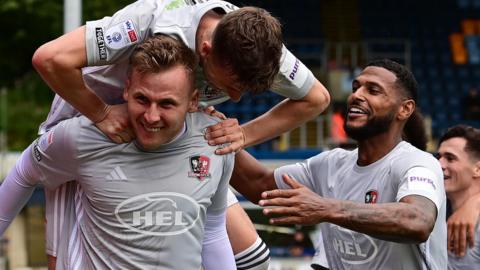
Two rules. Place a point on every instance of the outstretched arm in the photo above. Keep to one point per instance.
(461, 226)
(409, 221)
(285, 116)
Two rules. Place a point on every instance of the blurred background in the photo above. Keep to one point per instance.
(439, 41)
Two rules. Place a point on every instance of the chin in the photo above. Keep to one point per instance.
(149, 145)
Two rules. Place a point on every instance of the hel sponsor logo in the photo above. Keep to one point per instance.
(200, 166)
(160, 218)
(371, 196)
(295, 69)
(352, 247)
(422, 180)
(102, 51)
(159, 213)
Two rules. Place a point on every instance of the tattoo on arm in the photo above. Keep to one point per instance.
(409, 221)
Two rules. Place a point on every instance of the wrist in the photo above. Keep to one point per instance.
(336, 211)
(244, 137)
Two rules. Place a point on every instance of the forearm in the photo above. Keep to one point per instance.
(287, 115)
(397, 222)
(59, 63)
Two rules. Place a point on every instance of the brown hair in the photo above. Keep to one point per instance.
(470, 134)
(161, 52)
(248, 42)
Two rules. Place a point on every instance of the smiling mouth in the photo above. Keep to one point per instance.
(151, 129)
(356, 111)
(157, 129)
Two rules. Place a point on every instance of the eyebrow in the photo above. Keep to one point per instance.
(447, 154)
(167, 100)
(369, 83)
(160, 101)
(374, 84)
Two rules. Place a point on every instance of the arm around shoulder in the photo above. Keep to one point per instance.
(64, 53)
(287, 115)
(317, 99)
(59, 63)
(462, 224)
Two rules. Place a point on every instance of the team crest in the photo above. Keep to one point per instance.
(200, 166)
(371, 196)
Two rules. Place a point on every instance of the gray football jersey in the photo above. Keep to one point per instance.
(136, 209)
(111, 40)
(59, 215)
(471, 260)
(404, 171)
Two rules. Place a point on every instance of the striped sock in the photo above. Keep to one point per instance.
(256, 257)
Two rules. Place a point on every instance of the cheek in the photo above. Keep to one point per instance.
(134, 111)
(174, 116)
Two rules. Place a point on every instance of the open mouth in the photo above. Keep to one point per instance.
(156, 129)
(356, 111)
(151, 129)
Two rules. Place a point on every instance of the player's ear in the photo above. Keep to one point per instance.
(193, 103)
(476, 170)
(205, 49)
(125, 90)
(406, 109)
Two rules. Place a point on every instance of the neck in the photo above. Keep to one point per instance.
(180, 133)
(457, 199)
(375, 148)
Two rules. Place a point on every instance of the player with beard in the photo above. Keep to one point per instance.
(380, 206)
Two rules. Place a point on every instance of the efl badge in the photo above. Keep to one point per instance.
(121, 35)
(371, 196)
(200, 166)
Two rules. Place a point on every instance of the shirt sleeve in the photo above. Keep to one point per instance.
(112, 39)
(54, 154)
(294, 79)
(219, 199)
(299, 171)
(424, 182)
(17, 188)
(48, 159)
